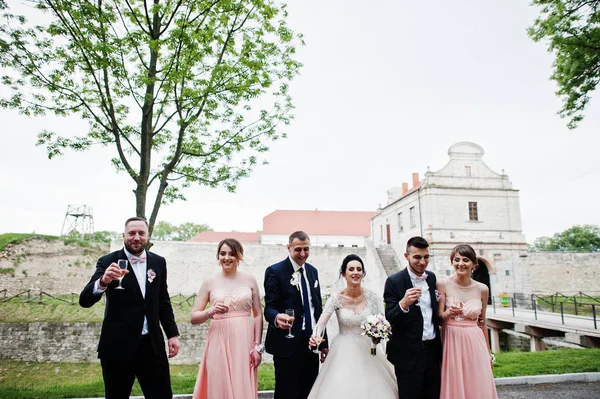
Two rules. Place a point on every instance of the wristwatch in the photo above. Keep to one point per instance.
(101, 284)
(260, 348)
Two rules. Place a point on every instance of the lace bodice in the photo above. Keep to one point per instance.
(350, 320)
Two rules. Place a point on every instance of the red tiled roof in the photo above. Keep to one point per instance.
(217, 236)
(319, 222)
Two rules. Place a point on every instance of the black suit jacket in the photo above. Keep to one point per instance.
(404, 345)
(125, 309)
(281, 295)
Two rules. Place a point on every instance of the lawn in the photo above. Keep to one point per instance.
(28, 380)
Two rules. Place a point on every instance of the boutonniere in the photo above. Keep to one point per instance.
(296, 280)
(437, 295)
(151, 274)
(316, 283)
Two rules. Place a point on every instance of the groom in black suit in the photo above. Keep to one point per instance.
(131, 342)
(293, 284)
(411, 307)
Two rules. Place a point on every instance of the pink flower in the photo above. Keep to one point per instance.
(151, 275)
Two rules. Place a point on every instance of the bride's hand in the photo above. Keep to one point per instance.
(312, 341)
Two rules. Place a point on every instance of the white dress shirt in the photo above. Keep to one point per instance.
(424, 305)
(310, 304)
(139, 270)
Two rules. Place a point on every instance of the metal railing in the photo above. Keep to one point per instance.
(33, 295)
(579, 304)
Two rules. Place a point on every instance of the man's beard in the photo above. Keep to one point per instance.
(132, 251)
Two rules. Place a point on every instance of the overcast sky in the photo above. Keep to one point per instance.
(387, 87)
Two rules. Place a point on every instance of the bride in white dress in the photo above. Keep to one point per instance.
(350, 371)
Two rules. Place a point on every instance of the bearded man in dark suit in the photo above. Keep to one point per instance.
(411, 307)
(131, 342)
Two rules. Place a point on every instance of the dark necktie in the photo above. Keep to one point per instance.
(306, 305)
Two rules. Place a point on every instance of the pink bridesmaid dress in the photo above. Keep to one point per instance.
(466, 370)
(225, 371)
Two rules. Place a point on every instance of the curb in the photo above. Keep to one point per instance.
(548, 379)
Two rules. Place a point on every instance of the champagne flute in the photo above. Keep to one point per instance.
(290, 312)
(227, 300)
(420, 288)
(319, 332)
(459, 305)
(123, 266)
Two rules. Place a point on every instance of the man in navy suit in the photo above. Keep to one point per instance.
(293, 284)
(411, 307)
(131, 342)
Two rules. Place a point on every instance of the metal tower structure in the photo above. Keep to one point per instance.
(79, 219)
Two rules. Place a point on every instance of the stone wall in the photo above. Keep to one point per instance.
(189, 264)
(565, 272)
(78, 342)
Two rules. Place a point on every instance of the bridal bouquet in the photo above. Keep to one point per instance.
(377, 328)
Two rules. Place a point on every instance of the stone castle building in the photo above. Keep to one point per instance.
(464, 202)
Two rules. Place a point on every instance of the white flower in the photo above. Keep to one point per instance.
(296, 280)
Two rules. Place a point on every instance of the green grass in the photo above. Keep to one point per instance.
(513, 364)
(15, 238)
(7, 270)
(29, 380)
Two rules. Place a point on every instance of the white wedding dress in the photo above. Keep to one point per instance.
(350, 371)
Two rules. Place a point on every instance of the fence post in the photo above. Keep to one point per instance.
(562, 315)
(512, 303)
(575, 303)
(594, 314)
(552, 303)
(494, 303)
(534, 305)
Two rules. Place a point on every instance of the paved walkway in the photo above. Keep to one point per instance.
(566, 390)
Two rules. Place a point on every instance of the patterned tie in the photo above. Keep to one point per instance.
(306, 305)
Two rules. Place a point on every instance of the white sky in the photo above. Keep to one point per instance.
(387, 87)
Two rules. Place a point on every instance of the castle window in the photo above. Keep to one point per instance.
(400, 226)
(468, 171)
(473, 211)
(413, 217)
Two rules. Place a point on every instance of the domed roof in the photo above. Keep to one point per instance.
(465, 149)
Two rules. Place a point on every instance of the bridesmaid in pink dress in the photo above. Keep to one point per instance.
(466, 362)
(233, 349)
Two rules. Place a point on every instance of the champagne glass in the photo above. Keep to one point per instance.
(318, 333)
(459, 305)
(290, 312)
(419, 286)
(123, 266)
(227, 300)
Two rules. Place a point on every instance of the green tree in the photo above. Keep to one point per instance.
(184, 91)
(585, 238)
(572, 30)
(185, 231)
(165, 231)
